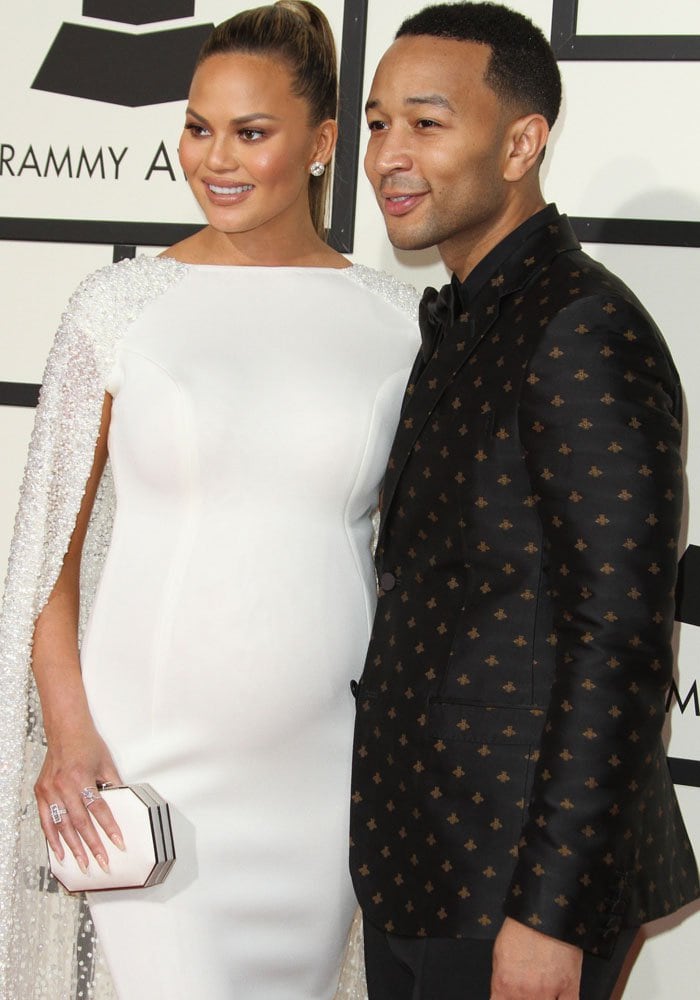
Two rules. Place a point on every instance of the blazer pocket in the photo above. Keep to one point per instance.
(499, 725)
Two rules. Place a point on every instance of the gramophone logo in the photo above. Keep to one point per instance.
(121, 67)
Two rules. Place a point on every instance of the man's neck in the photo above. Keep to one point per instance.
(462, 253)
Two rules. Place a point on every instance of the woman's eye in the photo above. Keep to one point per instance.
(251, 134)
(197, 130)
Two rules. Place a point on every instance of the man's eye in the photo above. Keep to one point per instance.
(376, 126)
(427, 123)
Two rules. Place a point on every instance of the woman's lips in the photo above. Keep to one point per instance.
(226, 194)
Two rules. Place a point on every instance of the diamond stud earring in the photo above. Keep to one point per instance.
(317, 169)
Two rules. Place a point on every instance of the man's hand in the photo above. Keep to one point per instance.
(529, 965)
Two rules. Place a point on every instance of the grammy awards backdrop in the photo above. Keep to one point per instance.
(93, 98)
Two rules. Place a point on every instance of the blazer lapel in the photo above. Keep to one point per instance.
(428, 381)
(426, 387)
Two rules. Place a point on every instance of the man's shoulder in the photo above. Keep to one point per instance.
(576, 270)
(575, 280)
(547, 270)
(592, 309)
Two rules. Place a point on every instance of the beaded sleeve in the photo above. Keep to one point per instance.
(400, 295)
(45, 935)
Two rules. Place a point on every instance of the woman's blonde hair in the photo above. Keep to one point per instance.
(299, 33)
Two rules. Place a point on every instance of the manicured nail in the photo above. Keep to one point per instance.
(117, 841)
(102, 862)
(82, 865)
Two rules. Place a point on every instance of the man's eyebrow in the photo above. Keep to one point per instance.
(435, 100)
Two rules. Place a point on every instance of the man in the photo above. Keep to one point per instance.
(513, 819)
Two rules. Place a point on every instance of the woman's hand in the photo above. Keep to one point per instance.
(70, 806)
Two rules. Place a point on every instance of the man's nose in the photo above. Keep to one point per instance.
(390, 154)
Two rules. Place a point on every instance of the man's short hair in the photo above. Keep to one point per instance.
(522, 70)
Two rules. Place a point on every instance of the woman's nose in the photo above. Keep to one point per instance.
(221, 155)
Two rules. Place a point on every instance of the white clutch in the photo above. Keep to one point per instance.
(144, 819)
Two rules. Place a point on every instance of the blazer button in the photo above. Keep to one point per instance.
(387, 581)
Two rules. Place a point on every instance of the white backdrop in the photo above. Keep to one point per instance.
(623, 150)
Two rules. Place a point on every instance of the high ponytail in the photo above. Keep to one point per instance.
(298, 32)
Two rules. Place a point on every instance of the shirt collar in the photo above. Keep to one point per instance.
(466, 290)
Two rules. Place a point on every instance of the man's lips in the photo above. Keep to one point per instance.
(400, 203)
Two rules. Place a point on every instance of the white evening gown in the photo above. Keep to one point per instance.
(253, 413)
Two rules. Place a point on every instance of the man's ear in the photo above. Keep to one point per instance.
(527, 138)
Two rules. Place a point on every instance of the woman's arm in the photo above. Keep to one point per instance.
(76, 758)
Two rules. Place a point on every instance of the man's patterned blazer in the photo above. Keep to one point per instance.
(508, 755)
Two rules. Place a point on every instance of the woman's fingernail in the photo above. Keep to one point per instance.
(117, 841)
(102, 862)
(82, 865)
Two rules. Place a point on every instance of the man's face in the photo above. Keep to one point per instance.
(438, 144)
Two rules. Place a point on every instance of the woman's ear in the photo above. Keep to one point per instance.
(526, 143)
(326, 139)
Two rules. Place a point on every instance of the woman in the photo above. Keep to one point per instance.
(245, 387)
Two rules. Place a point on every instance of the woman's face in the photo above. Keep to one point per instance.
(247, 145)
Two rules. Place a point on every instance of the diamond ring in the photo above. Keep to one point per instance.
(90, 795)
(57, 812)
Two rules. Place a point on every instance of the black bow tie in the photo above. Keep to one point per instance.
(435, 314)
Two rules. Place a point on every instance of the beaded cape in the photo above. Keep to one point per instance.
(48, 947)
